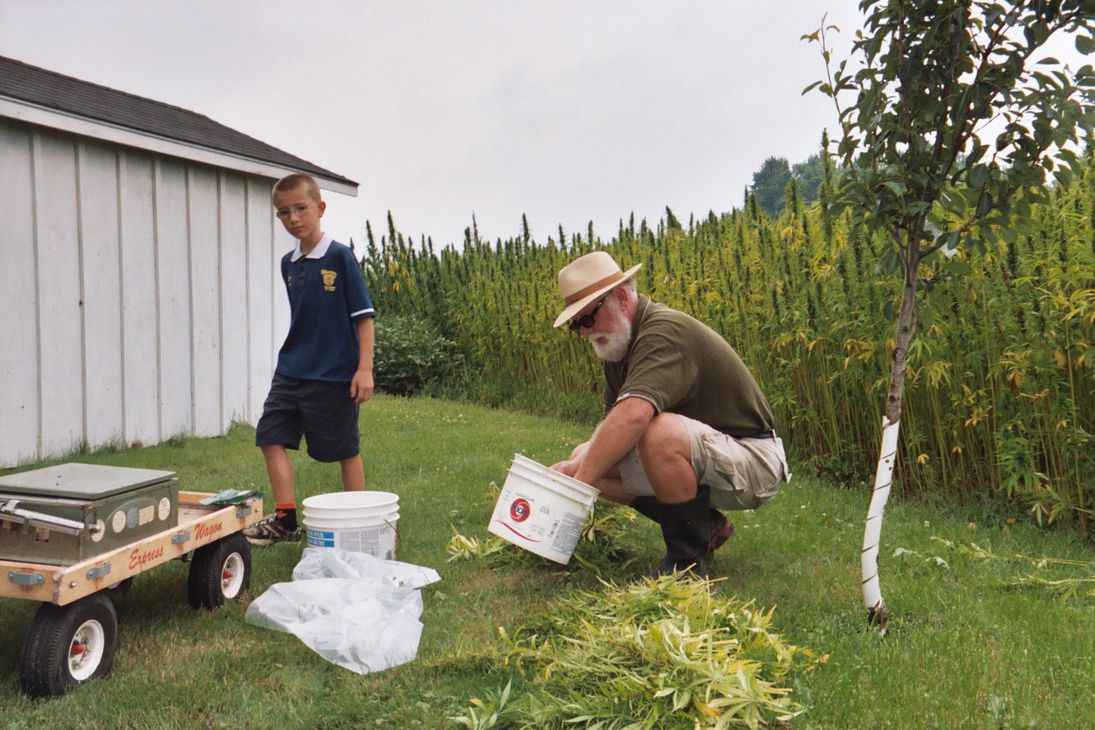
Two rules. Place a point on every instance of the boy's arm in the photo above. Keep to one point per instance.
(361, 387)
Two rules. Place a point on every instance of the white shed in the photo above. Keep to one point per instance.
(138, 268)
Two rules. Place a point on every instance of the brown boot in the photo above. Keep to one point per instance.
(721, 530)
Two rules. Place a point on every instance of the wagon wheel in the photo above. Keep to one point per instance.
(219, 571)
(67, 645)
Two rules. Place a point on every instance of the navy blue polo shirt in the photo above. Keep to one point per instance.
(326, 298)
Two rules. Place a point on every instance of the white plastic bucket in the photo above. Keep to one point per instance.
(361, 522)
(542, 510)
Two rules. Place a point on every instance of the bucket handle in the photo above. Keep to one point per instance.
(395, 534)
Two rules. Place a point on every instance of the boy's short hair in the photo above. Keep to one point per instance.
(294, 181)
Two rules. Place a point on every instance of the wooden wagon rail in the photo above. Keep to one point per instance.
(62, 584)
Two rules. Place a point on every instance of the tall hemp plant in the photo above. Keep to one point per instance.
(954, 127)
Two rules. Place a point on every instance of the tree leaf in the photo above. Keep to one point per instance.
(1064, 176)
(978, 176)
(896, 186)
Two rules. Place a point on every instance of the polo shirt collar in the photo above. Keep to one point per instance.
(317, 253)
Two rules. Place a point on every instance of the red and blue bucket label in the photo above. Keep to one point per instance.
(519, 510)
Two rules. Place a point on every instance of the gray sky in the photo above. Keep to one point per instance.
(567, 111)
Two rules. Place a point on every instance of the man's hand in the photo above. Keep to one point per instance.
(568, 467)
(361, 387)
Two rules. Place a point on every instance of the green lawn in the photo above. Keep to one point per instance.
(965, 649)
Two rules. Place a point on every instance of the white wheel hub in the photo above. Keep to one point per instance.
(232, 573)
(85, 653)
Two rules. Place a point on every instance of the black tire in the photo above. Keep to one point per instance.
(68, 645)
(219, 572)
(122, 586)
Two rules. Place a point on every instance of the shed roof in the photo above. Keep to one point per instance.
(71, 96)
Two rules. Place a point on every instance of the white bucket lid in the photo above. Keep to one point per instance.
(350, 500)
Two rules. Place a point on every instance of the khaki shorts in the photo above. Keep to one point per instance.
(741, 473)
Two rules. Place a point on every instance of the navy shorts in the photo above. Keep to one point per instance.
(323, 413)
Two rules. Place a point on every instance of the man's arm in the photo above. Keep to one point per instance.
(361, 387)
(616, 435)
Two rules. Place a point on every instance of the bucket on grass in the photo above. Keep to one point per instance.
(362, 522)
(542, 510)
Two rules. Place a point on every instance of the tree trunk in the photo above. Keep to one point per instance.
(877, 615)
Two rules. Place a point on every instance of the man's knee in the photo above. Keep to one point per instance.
(665, 436)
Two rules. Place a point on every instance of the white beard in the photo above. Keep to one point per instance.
(612, 346)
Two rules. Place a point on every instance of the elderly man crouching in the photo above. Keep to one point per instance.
(686, 428)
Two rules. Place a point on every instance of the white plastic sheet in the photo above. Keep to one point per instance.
(354, 610)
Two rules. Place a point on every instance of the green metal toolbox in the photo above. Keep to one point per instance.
(68, 513)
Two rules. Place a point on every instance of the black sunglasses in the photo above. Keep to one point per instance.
(587, 320)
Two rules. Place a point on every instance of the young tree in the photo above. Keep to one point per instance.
(937, 78)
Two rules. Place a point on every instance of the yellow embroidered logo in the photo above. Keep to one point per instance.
(328, 279)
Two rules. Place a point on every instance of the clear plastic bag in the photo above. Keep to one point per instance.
(354, 610)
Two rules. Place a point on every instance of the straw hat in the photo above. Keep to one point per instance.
(586, 278)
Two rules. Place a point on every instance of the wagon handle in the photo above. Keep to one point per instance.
(11, 510)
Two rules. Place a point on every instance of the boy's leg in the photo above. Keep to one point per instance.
(279, 468)
(353, 474)
(330, 421)
(279, 429)
(282, 524)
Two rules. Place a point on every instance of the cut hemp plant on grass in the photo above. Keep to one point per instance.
(657, 653)
(1066, 586)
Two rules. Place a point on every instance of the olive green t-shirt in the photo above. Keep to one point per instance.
(681, 365)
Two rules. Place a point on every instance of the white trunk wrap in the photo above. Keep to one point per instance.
(872, 533)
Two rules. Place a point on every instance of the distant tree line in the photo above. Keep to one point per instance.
(771, 181)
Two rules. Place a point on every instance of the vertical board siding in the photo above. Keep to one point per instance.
(60, 336)
(261, 294)
(139, 320)
(100, 282)
(142, 298)
(173, 253)
(205, 299)
(19, 411)
(233, 267)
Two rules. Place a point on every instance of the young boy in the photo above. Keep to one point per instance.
(325, 367)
